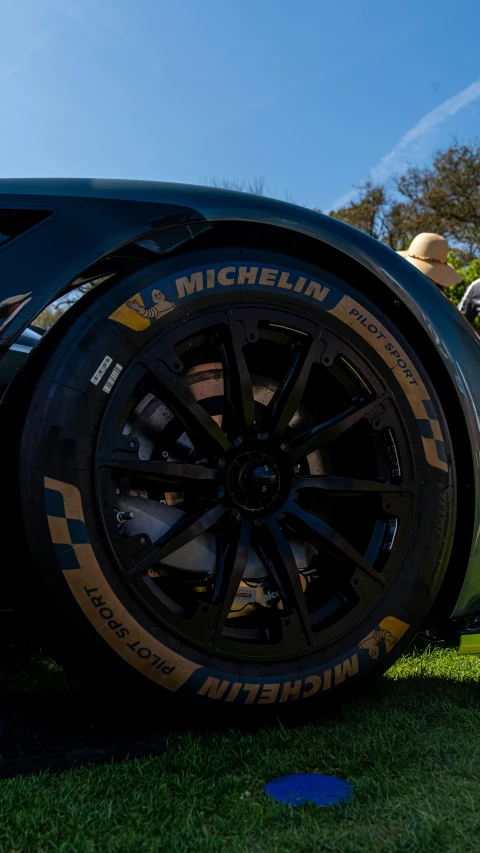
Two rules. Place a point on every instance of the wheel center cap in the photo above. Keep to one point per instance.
(253, 480)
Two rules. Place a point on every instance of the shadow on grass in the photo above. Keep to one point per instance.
(49, 721)
(36, 688)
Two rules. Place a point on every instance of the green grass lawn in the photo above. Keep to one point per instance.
(410, 746)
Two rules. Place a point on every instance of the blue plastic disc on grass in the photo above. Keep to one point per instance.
(309, 788)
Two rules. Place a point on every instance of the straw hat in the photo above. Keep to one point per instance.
(428, 252)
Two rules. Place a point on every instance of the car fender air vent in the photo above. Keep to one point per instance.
(14, 222)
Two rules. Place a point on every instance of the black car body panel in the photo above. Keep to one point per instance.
(84, 226)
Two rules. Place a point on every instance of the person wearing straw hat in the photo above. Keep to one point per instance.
(470, 301)
(428, 252)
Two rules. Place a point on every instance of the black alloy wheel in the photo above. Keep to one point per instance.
(293, 462)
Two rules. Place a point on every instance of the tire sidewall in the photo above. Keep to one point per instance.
(59, 443)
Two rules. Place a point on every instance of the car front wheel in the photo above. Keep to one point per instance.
(237, 483)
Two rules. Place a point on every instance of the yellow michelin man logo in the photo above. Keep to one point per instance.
(372, 640)
(160, 306)
(389, 632)
(142, 309)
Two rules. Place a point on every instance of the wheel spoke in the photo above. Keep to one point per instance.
(289, 577)
(328, 431)
(180, 534)
(319, 529)
(239, 404)
(249, 499)
(288, 395)
(347, 484)
(398, 509)
(230, 573)
(198, 424)
(151, 469)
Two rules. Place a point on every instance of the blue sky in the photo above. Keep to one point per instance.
(310, 95)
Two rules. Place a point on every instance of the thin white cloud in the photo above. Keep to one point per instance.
(398, 157)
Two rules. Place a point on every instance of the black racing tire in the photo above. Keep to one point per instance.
(213, 385)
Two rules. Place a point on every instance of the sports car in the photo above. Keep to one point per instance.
(242, 468)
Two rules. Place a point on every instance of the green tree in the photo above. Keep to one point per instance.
(367, 211)
(445, 196)
(377, 212)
